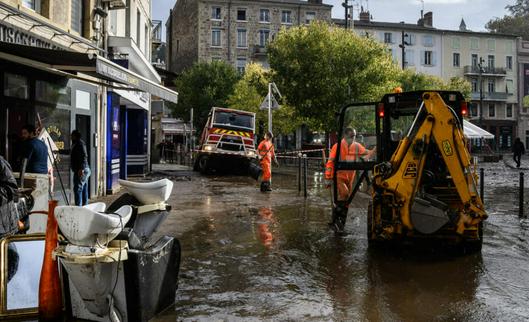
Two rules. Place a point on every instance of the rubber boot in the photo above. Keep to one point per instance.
(339, 216)
(263, 186)
(268, 186)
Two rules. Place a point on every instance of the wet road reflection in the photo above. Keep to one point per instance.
(254, 256)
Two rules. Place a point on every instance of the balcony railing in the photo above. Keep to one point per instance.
(259, 50)
(492, 96)
(486, 70)
(156, 31)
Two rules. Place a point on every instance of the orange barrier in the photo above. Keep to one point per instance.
(50, 297)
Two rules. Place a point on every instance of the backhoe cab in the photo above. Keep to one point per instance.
(423, 182)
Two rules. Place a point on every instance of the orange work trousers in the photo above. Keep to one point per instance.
(344, 183)
(267, 170)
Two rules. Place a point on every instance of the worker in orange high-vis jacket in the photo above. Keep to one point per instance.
(266, 154)
(350, 151)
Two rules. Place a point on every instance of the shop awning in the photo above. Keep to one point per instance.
(71, 64)
(473, 131)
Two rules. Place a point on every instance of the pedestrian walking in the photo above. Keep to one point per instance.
(80, 168)
(266, 154)
(34, 150)
(518, 149)
(9, 221)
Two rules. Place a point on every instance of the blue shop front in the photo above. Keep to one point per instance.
(127, 135)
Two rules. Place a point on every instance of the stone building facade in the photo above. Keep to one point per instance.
(233, 31)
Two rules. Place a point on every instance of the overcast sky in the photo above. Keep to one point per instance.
(447, 14)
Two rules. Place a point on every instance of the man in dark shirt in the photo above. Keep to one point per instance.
(518, 149)
(8, 210)
(80, 168)
(34, 150)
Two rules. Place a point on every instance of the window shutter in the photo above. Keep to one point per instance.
(422, 57)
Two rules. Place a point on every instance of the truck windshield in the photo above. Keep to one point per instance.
(233, 120)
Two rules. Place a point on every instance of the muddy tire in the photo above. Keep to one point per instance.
(203, 164)
(474, 246)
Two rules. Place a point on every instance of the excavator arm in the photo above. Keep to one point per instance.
(399, 182)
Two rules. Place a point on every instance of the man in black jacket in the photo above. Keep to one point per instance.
(80, 168)
(8, 209)
(518, 149)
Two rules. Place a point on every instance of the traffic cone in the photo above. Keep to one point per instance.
(50, 297)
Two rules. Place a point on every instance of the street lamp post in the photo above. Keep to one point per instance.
(346, 6)
(403, 44)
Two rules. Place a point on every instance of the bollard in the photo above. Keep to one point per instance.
(520, 198)
(299, 172)
(482, 184)
(305, 163)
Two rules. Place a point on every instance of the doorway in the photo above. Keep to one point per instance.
(17, 115)
(82, 124)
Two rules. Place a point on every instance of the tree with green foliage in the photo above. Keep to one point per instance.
(517, 23)
(319, 68)
(410, 80)
(201, 87)
(250, 92)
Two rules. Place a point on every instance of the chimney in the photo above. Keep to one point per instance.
(315, 1)
(428, 19)
(365, 16)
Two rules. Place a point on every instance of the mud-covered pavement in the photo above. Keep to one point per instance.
(253, 256)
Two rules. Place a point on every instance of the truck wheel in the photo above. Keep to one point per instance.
(203, 164)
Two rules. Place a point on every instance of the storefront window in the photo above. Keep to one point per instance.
(57, 123)
(16, 86)
(52, 93)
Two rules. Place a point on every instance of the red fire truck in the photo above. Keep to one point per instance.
(227, 141)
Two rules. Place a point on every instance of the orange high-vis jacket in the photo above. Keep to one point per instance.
(266, 151)
(347, 153)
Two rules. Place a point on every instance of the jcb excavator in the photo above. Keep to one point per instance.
(423, 182)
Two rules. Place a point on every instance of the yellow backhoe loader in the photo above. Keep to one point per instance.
(423, 181)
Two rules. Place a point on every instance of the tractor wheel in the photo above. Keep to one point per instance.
(474, 246)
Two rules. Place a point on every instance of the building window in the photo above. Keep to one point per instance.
(16, 86)
(32, 4)
(146, 41)
(455, 60)
(491, 86)
(456, 42)
(492, 110)
(427, 41)
(508, 111)
(264, 15)
(427, 58)
(474, 83)
(114, 22)
(77, 16)
(388, 38)
(491, 44)
(215, 13)
(509, 86)
(241, 14)
(51, 93)
(474, 43)
(241, 65)
(286, 16)
(138, 28)
(264, 35)
(473, 109)
(310, 16)
(474, 60)
(508, 62)
(491, 61)
(241, 38)
(409, 56)
(215, 38)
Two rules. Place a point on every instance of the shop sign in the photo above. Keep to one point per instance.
(14, 35)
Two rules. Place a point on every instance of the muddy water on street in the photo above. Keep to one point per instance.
(253, 256)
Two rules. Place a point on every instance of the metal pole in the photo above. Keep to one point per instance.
(191, 135)
(480, 66)
(520, 198)
(270, 107)
(305, 163)
(403, 48)
(482, 184)
(299, 172)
